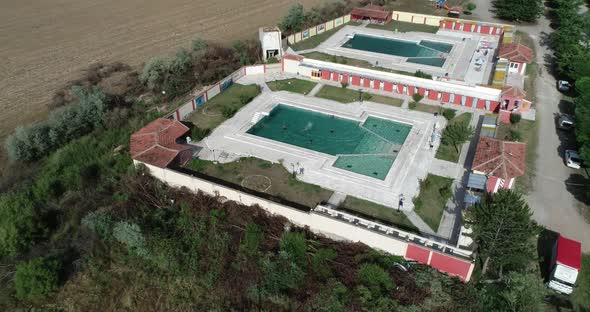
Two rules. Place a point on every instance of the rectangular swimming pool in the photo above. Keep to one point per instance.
(423, 52)
(367, 148)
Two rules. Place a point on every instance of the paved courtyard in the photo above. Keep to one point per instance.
(230, 141)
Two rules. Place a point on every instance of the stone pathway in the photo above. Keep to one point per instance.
(418, 222)
(336, 200)
(315, 89)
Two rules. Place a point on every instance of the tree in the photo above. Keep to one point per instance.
(517, 291)
(519, 10)
(456, 134)
(19, 223)
(294, 20)
(582, 115)
(36, 279)
(504, 231)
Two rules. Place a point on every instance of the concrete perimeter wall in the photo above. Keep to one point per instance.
(318, 29)
(336, 224)
(453, 24)
(201, 98)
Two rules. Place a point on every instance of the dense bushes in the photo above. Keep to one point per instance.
(36, 279)
(204, 63)
(19, 222)
(525, 11)
(63, 125)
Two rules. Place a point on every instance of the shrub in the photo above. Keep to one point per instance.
(272, 60)
(421, 74)
(228, 111)
(515, 118)
(374, 277)
(245, 98)
(63, 125)
(417, 97)
(99, 222)
(344, 84)
(19, 222)
(130, 235)
(446, 192)
(295, 245)
(515, 135)
(471, 6)
(197, 134)
(413, 105)
(449, 113)
(36, 279)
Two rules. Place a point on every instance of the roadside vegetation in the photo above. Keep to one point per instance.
(454, 135)
(292, 85)
(430, 203)
(379, 213)
(520, 11)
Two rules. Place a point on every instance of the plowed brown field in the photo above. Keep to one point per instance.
(44, 44)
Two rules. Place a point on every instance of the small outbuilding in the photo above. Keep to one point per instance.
(160, 143)
(518, 55)
(373, 13)
(501, 161)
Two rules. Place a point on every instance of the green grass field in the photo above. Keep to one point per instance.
(292, 85)
(259, 175)
(405, 27)
(344, 95)
(431, 202)
(448, 152)
(218, 109)
(379, 212)
(421, 107)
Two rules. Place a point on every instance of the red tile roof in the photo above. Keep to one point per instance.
(569, 252)
(450, 265)
(293, 57)
(516, 52)
(418, 254)
(498, 158)
(371, 11)
(513, 91)
(155, 144)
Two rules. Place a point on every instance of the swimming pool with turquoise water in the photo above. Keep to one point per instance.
(424, 52)
(368, 148)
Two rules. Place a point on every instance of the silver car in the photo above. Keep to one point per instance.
(572, 159)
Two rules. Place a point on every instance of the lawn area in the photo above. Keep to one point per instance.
(256, 171)
(580, 298)
(431, 202)
(405, 27)
(223, 106)
(292, 85)
(344, 95)
(421, 107)
(527, 131)
(448, 152)
(320, 56)
(316, 40)
(531, 71)
(379, 213)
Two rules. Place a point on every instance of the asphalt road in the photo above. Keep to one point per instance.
(553, 205)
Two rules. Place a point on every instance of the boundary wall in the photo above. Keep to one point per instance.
(318, 29)
(201, 98)
(448, 23)
(334, 223)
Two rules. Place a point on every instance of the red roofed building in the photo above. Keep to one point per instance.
(156, 144)
(500, 161)
(373, 13)
(513, 101)
(518, 56)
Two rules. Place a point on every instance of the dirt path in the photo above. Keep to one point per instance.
(552, 204)
(44, 44)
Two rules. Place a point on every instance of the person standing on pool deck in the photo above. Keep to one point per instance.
(401, 202)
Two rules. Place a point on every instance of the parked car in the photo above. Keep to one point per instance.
(565, 122)
(563, 85)
(572, 159)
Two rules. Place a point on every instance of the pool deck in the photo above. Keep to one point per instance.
(460, 64)
(229, 142)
